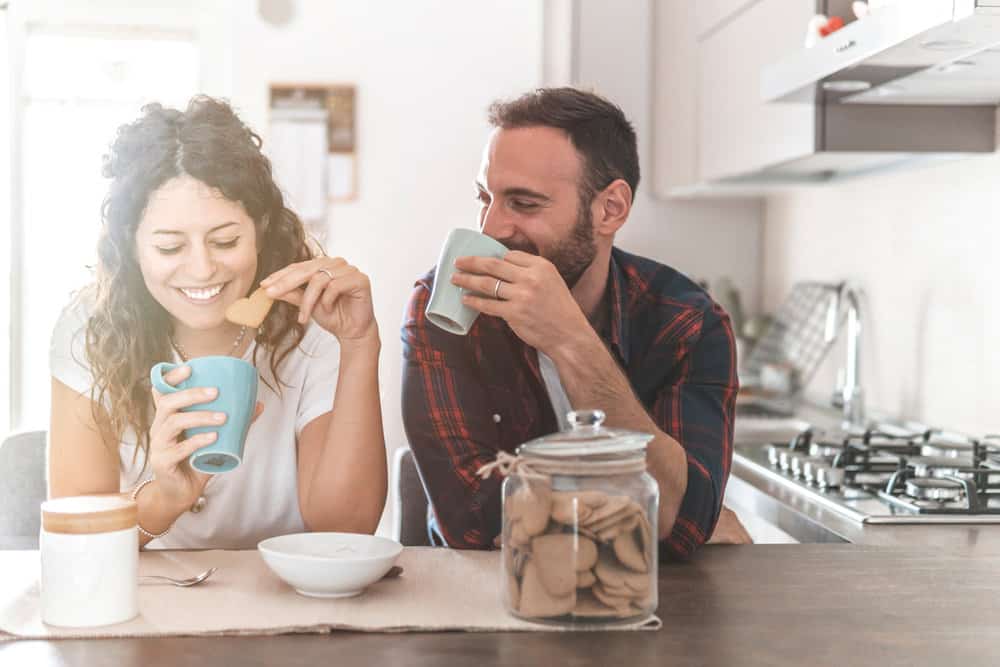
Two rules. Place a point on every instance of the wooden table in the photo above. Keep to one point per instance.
(819, 604)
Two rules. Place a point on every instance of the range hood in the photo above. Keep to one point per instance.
(918, 52)
(915, 81)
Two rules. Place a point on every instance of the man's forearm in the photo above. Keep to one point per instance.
(592, 379)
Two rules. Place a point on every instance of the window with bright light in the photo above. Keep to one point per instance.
(78, 86)
(5, 226)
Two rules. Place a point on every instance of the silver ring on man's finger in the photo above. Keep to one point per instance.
(328, 274)
(496, 289)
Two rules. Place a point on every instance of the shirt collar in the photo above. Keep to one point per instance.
(618, 302)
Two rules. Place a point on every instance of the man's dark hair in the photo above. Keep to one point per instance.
(597, 128)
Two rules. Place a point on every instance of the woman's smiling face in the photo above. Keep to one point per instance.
(197, 251)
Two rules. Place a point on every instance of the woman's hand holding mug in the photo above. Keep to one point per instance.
(179, 484)
(171, 444)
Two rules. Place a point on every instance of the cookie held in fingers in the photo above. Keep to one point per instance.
(250, 311)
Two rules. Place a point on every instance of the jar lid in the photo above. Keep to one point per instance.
(587, 437)
(85, 515)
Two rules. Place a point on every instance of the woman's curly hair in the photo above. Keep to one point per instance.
(128, 330)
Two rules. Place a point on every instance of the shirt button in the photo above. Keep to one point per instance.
(199, 505)
(496, 418)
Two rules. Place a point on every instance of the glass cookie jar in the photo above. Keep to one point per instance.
(579, 526)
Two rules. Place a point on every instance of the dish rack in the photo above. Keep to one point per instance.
(800, 334)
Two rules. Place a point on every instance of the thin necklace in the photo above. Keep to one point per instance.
(236, 344)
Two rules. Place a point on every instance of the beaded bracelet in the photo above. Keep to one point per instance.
(135, 492)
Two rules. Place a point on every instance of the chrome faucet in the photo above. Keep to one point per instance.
(849, 396)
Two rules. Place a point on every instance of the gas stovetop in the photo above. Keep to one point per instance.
(888, 474)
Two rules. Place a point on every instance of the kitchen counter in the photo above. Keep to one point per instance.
(816, 604)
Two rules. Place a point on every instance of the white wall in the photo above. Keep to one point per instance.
(703, 239)
(425, 73)
(924, 245)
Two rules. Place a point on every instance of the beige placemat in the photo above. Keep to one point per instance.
(440, 589)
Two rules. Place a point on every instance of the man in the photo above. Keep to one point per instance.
(569, 321)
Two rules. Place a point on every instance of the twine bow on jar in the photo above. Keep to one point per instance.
(507, 464)
(539, 467)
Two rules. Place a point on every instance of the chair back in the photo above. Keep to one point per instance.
(22, 489)
(411, 500)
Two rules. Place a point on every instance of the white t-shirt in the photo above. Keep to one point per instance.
(259, 499)
(557, 394)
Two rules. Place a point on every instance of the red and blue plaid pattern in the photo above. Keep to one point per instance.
(467, 397)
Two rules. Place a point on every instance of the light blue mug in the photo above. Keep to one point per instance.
(445, 307)
(236, 381)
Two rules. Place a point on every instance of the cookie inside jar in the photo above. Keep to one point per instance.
(577, 555)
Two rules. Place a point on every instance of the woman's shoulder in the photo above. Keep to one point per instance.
(68, 343)
(71, 325)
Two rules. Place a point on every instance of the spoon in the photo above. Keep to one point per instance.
(393, 572)
(190, 581)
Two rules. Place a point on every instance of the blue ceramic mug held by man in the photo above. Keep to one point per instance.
(236, 381)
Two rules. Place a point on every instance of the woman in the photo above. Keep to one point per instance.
(193, 221)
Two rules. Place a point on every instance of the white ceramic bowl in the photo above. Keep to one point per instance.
(329, 565)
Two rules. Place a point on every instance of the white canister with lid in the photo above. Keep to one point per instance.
(90, 561)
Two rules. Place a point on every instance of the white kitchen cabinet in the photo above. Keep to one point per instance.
(737, 132)
(675, 98)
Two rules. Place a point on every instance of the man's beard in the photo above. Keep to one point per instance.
(571, 255)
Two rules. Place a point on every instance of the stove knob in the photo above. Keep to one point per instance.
(802, 462)
(773, 452)
(796, 463)
(829, 477)
(809, 471)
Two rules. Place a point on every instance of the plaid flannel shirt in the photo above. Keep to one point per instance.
(467, 397)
